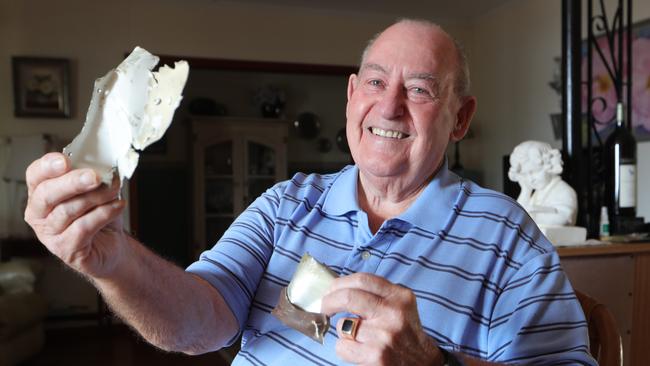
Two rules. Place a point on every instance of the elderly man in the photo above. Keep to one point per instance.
(433, 270)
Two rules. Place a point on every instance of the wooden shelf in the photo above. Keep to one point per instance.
(605, 249)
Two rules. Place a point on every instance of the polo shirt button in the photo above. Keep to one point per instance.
(366, 255)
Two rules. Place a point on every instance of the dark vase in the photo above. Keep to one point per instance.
(271, 110)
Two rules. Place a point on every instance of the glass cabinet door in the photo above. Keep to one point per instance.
(219, 183)
(235, 161)
(261, 172)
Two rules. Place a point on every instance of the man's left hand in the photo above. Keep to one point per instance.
(389, 331)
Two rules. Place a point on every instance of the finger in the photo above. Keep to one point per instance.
(49, 166)
(51, 192)
(355, 301)
(82, 230)
(352, 352)
(364, 330)
(68, 211)
(101, 216)
(366, 281)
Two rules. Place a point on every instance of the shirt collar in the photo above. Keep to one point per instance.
(430, 211)
(342, 197)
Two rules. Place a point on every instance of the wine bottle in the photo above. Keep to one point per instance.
(620, 187)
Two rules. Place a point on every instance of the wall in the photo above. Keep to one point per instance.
(96, 38)
(96, 41)
(510, 51)
(511, 57)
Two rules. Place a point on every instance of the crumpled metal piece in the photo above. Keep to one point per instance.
(300, 302)
(313, 325)
(131, 108)
(309, 284)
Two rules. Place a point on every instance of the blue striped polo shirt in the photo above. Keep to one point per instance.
(487, 282)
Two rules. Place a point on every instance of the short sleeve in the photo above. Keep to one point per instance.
(236, 263)
(538, 319)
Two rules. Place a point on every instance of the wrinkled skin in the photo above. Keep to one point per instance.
(79, 220)
(390, 332)
(74, 215)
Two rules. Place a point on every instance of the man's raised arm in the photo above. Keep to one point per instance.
(79, 220)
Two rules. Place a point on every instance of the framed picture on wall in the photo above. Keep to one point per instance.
(41, 87)
(603, 87)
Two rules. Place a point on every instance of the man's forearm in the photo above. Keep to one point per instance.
(170, 308)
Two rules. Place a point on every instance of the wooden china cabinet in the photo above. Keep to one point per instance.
(234, 161)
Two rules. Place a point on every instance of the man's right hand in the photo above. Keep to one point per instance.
(78, 219)
(75, 216)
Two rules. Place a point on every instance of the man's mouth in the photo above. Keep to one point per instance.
(387, 133)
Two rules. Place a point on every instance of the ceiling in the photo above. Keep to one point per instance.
(437, 10)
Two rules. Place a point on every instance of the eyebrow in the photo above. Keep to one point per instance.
(421, 76)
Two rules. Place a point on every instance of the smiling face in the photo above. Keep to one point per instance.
(402, 110)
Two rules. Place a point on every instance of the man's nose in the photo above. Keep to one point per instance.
(391, 105)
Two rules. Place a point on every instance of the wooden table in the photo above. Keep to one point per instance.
(638, 255)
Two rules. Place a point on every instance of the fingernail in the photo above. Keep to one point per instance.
(57, 164)
(117, 204)
(87, 178)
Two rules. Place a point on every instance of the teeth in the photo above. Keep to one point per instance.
(386, 133)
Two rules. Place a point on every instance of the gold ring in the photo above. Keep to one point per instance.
(349, 328)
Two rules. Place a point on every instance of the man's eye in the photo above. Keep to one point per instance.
(375, 82)
(419, 91)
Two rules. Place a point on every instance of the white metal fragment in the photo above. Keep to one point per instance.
(131, 108)
(309, 284)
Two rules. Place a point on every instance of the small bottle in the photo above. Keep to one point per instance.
(604, 223)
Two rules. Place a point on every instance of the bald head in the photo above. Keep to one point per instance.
(461, 74)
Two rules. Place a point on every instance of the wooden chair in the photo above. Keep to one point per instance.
(604, 338)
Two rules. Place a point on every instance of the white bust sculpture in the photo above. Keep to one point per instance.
(549, 200)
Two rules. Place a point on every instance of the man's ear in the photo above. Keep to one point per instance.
(463, 118)
(352, 85)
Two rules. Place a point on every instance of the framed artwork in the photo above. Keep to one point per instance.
(41, 87)
(603, 86)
